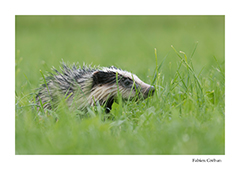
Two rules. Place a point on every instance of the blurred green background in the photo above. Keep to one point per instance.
(127, 42)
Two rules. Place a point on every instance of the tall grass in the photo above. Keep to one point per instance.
(185, 116)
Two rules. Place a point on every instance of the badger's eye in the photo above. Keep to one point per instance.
(127, 82)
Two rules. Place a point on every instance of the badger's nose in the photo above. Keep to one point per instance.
(150, 90)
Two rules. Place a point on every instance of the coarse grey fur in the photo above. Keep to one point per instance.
(85, 86)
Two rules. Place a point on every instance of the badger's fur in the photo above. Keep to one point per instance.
(86, 86)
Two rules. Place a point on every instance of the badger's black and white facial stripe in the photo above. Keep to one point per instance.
(85, 86)
(105, 85)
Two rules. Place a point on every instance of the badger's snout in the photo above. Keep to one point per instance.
(149, 91)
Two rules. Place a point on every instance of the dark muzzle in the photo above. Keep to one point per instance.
(149, 92)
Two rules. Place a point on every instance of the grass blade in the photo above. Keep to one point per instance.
(157, 70)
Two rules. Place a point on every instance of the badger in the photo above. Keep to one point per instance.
(87, 86)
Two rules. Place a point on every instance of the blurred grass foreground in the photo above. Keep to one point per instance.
(183, 55)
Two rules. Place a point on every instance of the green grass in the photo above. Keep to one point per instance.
(186, 115)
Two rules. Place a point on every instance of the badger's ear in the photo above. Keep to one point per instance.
(101, 77)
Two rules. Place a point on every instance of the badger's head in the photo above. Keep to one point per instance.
(106, 84)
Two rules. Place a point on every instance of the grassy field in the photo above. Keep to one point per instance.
(183, 55)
